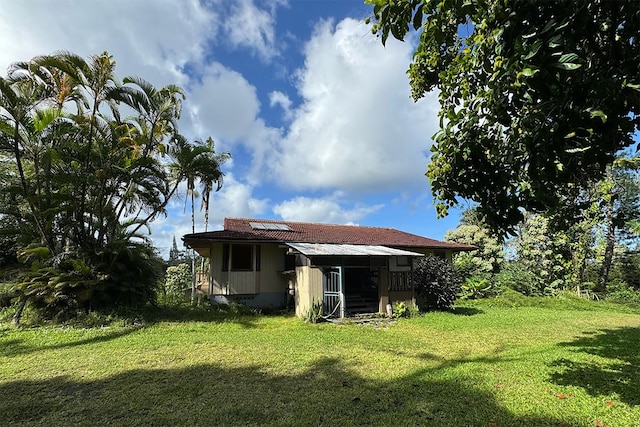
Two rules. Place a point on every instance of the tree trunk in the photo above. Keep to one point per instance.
(610, 241)
(25, 189)
(193, 258)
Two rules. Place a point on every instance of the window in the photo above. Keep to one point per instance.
(241, 257)
(289, 262)
(225, 257)
(403, 261)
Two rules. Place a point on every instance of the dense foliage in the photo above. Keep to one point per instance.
(88, 162)
(436, 284)
(486, 260)
(537, 98)
(177, 281)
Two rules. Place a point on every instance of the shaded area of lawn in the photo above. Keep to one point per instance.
(208, 313)
(326, 394)
(614, 372)
(22, 346)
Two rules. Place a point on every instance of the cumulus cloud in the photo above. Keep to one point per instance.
(250, 26)
(356, 129)
(223, 103)
(282, 100)
(323, 210)
(153, 42)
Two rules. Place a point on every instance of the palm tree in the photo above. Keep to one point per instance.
(210, 174)
(198, 163)
(20, 95)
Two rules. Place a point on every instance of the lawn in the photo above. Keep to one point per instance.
(543, 363)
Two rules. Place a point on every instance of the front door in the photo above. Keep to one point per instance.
(332, 293)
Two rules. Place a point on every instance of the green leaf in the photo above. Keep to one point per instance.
(600, 114)
(534, 50)
(568, 57)
(567, 66)
(417, 18)
(577, 150)
(528, 72)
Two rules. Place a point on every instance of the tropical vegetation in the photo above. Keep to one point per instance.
(537, 98)
(88, 162)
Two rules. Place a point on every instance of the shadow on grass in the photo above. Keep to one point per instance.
(326, 394)
(245, 318)
(465, 311)
(18, 346)
(206, 313)
(618, 374)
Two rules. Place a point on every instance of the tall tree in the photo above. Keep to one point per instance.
(537, 98)
(210, 174)
(620, 207)
(90, 178)
(488, 256)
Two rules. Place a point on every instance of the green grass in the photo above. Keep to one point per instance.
(503, 362)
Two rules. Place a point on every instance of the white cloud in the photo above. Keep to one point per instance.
(323, 210)
(236, 200)
(223, 104)
(280, 99)
(357, 128)
(250, 26)
(152, 42)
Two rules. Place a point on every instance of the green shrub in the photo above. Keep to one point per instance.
(7, 294)
(620, 292)
(314, 313)
(402, 309)
(436, 284)
(176, 281)
(516, 276)
(59, 287)
(477, 287)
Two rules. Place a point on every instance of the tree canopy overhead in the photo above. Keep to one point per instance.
(536, 97)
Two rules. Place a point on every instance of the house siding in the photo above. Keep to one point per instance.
(265, 288)
(269, 287)
(308, 288)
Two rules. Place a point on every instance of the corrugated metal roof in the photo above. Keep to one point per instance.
(318, 249)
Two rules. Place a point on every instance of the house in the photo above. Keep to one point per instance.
(350, 269)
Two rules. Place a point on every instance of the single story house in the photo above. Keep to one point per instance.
(275, 264)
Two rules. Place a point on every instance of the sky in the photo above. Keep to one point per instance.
(315, 112)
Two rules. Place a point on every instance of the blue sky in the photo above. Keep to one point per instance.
(314, 110)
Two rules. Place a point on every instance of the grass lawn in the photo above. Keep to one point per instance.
(547, 362)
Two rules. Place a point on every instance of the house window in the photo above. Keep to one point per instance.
(242, 257)
(440, 254)
(289, 262)
(225, 257)
(403, 261)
